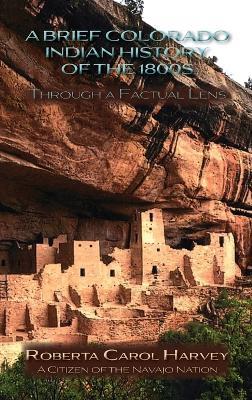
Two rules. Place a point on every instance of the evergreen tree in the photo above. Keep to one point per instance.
(136, 7)
(248, 84)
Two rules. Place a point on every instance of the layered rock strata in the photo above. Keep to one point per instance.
(66, 163)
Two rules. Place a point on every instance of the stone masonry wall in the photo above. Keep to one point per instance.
(158, 259)
(23, 288)
(117, 330)
(44, 255)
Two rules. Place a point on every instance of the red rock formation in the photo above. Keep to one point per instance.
(63, 162)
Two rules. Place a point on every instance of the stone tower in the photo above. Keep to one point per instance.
(148, 249)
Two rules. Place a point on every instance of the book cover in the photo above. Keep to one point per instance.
(125, 205)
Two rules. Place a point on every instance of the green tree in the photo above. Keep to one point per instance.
(233, 328)
(16, 385)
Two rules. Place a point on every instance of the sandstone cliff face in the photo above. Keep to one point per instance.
(83, 166)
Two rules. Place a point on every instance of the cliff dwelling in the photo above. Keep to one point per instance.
(61, 289)
(99, 270)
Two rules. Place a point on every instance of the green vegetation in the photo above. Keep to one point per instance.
(15, 385)
(232, 327)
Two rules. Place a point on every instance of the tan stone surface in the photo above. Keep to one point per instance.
(81, 169)
(84, 299)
